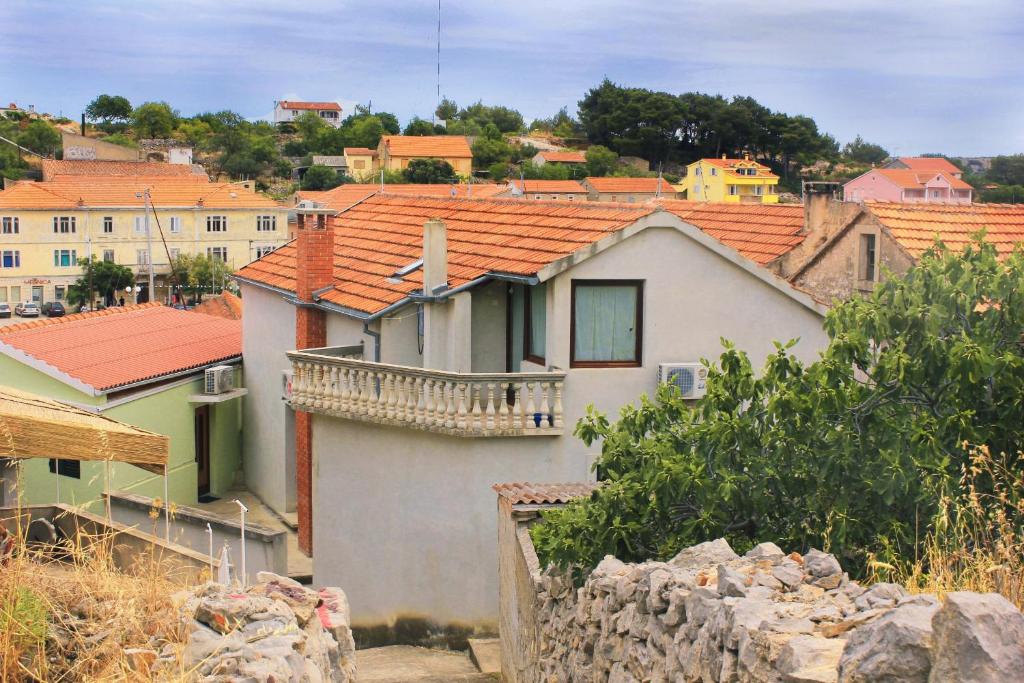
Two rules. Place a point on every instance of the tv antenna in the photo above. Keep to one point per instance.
(433, 119)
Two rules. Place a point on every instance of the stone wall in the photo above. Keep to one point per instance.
(710, 615)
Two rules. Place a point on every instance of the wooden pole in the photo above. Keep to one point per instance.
(167, 510)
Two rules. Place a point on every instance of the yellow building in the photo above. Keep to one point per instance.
(396, 151)
(46, 227)
(730, 180)
(360, 163)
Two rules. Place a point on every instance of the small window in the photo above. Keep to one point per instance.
(698, 171)
(217, 254)
(535, 318)
(10, 225)
(10, 259)
(570, 197)
(758, 189)
(216, 224)
(262, 251)
(63, 224)
(66, 468)
(140, 225)
(733, 190)
(607, 323)
(108, 225)
(175, 224)
(538, 196)
(108, 255)
(174, 253)
(266, 223)
(868, 258)
(65, 258)
(141, 257)
(58, 292)
(714, 171)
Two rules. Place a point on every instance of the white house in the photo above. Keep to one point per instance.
(289, 110)
(449, 344)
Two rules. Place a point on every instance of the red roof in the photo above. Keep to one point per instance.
(225, 305)
(916, 180)
(384, 233)
(915, 226)
(312, 106)
(549, 186)
(761, 232)
(54, 167)
(428, 146)
(344, 196)
(360, 151)
(526, 493)
(614, 185)
(937, 164)
(126, 345)
(570, 157)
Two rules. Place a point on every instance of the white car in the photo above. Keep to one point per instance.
(27, 309)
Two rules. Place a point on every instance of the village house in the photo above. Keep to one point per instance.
(911, 179)
(335, 162)
(444, 345)
(83, 148)
(51, 168)
(289, 110)
(360, 163)
(47, 227)
(394, 152)
(730, 180)
(614, 189)
(568, 190)
(566, 157)
(144, 366)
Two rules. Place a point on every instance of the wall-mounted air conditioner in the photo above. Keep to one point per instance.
(689, 378)
(219, 379)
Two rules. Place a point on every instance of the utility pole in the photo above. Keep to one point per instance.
(147, 200)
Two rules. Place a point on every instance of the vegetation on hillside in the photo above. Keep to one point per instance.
(855, 452)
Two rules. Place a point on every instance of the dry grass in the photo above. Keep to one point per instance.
(68, 614)
(976, 542)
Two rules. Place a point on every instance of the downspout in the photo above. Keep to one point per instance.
(376, 340)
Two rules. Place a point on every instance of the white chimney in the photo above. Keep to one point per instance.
(435, 255)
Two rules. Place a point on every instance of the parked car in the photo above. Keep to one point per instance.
(53, 309)
(5, 310)
(27, 309)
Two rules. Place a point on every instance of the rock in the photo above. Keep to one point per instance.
(788, 574)
(809, 658)
(833, 630)
(830, 582)
(765, 551)
(880, 595)
(731, 583)
(819, 564)
(705, 554)
(978, 637)
(896, 646)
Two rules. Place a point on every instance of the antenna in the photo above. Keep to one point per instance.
(433, 119)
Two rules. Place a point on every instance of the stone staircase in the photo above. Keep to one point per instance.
(408, 664)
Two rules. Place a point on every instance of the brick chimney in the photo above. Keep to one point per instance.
(314, 271)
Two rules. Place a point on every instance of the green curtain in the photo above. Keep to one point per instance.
(606, 322)
(538, 319)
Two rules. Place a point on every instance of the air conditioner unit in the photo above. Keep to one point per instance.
(220, 379)
(689, 378)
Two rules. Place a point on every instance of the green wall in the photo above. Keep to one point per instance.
(165, 412)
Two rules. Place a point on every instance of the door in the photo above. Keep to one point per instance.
(37, 294)
(203, 449)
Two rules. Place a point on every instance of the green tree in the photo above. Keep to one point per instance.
(864, 152)
(40, 137)
(601, 161)
(198, 274)
(309, 126)
(1003, 194)
(112, 110)
(318, 177)
(418, 126)
(366, 132)
(120, 139)
(433, 171)
(498, 171)
(446, 110)
(153, 120)
(851, 452)
(1007, 170)
(195, 132)
(107, 279)
(490, 147)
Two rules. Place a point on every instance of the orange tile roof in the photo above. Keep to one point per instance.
(344, 196)
(915, 226)
(384, 233)
(80, 191)
(55, 167)
(437, 146)
(225, 305)
(612, 185)
(729, 165)
(360, 151)
(525, 493)
(761, 232)
(915, 180)
(563, 186)
(570, 157)
(937, 164)
(126, 345)
(317, 106)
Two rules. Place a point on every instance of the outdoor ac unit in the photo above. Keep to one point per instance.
(689, 378)
(220, 379)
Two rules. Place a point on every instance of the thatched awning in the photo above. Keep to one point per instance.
(35, 427)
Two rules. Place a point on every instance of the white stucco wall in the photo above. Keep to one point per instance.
(268, 332)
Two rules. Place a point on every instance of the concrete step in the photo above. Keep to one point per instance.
(408, 664)
(486, 654)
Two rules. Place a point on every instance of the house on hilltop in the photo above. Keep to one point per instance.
(731, 180)
(394, 152)
(911, 179)
(289, 110)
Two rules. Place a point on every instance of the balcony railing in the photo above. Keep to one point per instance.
(462, 404)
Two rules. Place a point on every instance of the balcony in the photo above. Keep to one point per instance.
(337, 382)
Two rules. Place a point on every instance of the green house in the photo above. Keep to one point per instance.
(141, 365)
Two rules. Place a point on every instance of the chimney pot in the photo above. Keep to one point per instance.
(435, 255)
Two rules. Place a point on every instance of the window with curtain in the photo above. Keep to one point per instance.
(536, 318)
(607, 323)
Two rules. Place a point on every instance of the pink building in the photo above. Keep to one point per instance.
(908, 185)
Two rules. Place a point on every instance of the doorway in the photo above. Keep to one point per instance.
(37, 294)
(202, 431)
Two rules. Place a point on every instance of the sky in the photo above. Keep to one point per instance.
(914, 76)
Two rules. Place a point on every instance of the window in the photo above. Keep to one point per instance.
(868, 257)
(733, 189)
(217, 253)
(266, 223)
(570, 197)
(175, 224)
(108, 225)
(535, 313)
(758, 189)
(3, 295)
(698, 171)
(935, 193)
(174, 254)
(696, 189)
(58, 292)
(216, 224)
(140, 225)
(10, 225)
(15, 293)
(714, 171)
(65, 258)
(538, 196)
(10, 259)
(359, 163)
(607, 323)
(262, 251)
(67, 468)
(108, 255)
(63, 224)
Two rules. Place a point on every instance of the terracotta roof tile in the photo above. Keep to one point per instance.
(526, 493)
(570, 157)
(126, 345)
(730, 165)
(383, 233)
(344, 196)
(915, 226)
(761, 232)
(312, 106)
(916, 180)
(628, 185)
(360, 151)
(439, 146)
(88, 167)
(562, 186)
(226, 305)
(937, 164)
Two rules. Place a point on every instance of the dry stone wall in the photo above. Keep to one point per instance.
(709, 615)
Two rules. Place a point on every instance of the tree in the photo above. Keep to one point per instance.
(110, 109)
(319, 177)
(864, 152)
(851, 452)
(418, 126)
(107, 280)
(1003, 194)
(446, 110)
(197, 274)
(120, 139)
(631, 121)
(195, 132)
(153, 120)
(40, 137)
(601, 161)
(490, 147)
(433, 171)
(498, 171)
(1007, 170)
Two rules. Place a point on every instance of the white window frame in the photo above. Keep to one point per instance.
(64, 225)
(10, 225)
(174, 252)
(141, 257)
(140, 225)
(266, 223)
(175, 224)
(15, 258)
(264, 249)
(734, 190)
(111, 253)
(58, 258)
(217, 223)
(218, 252)
(108, 225)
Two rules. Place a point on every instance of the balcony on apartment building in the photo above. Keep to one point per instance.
(338, 382)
